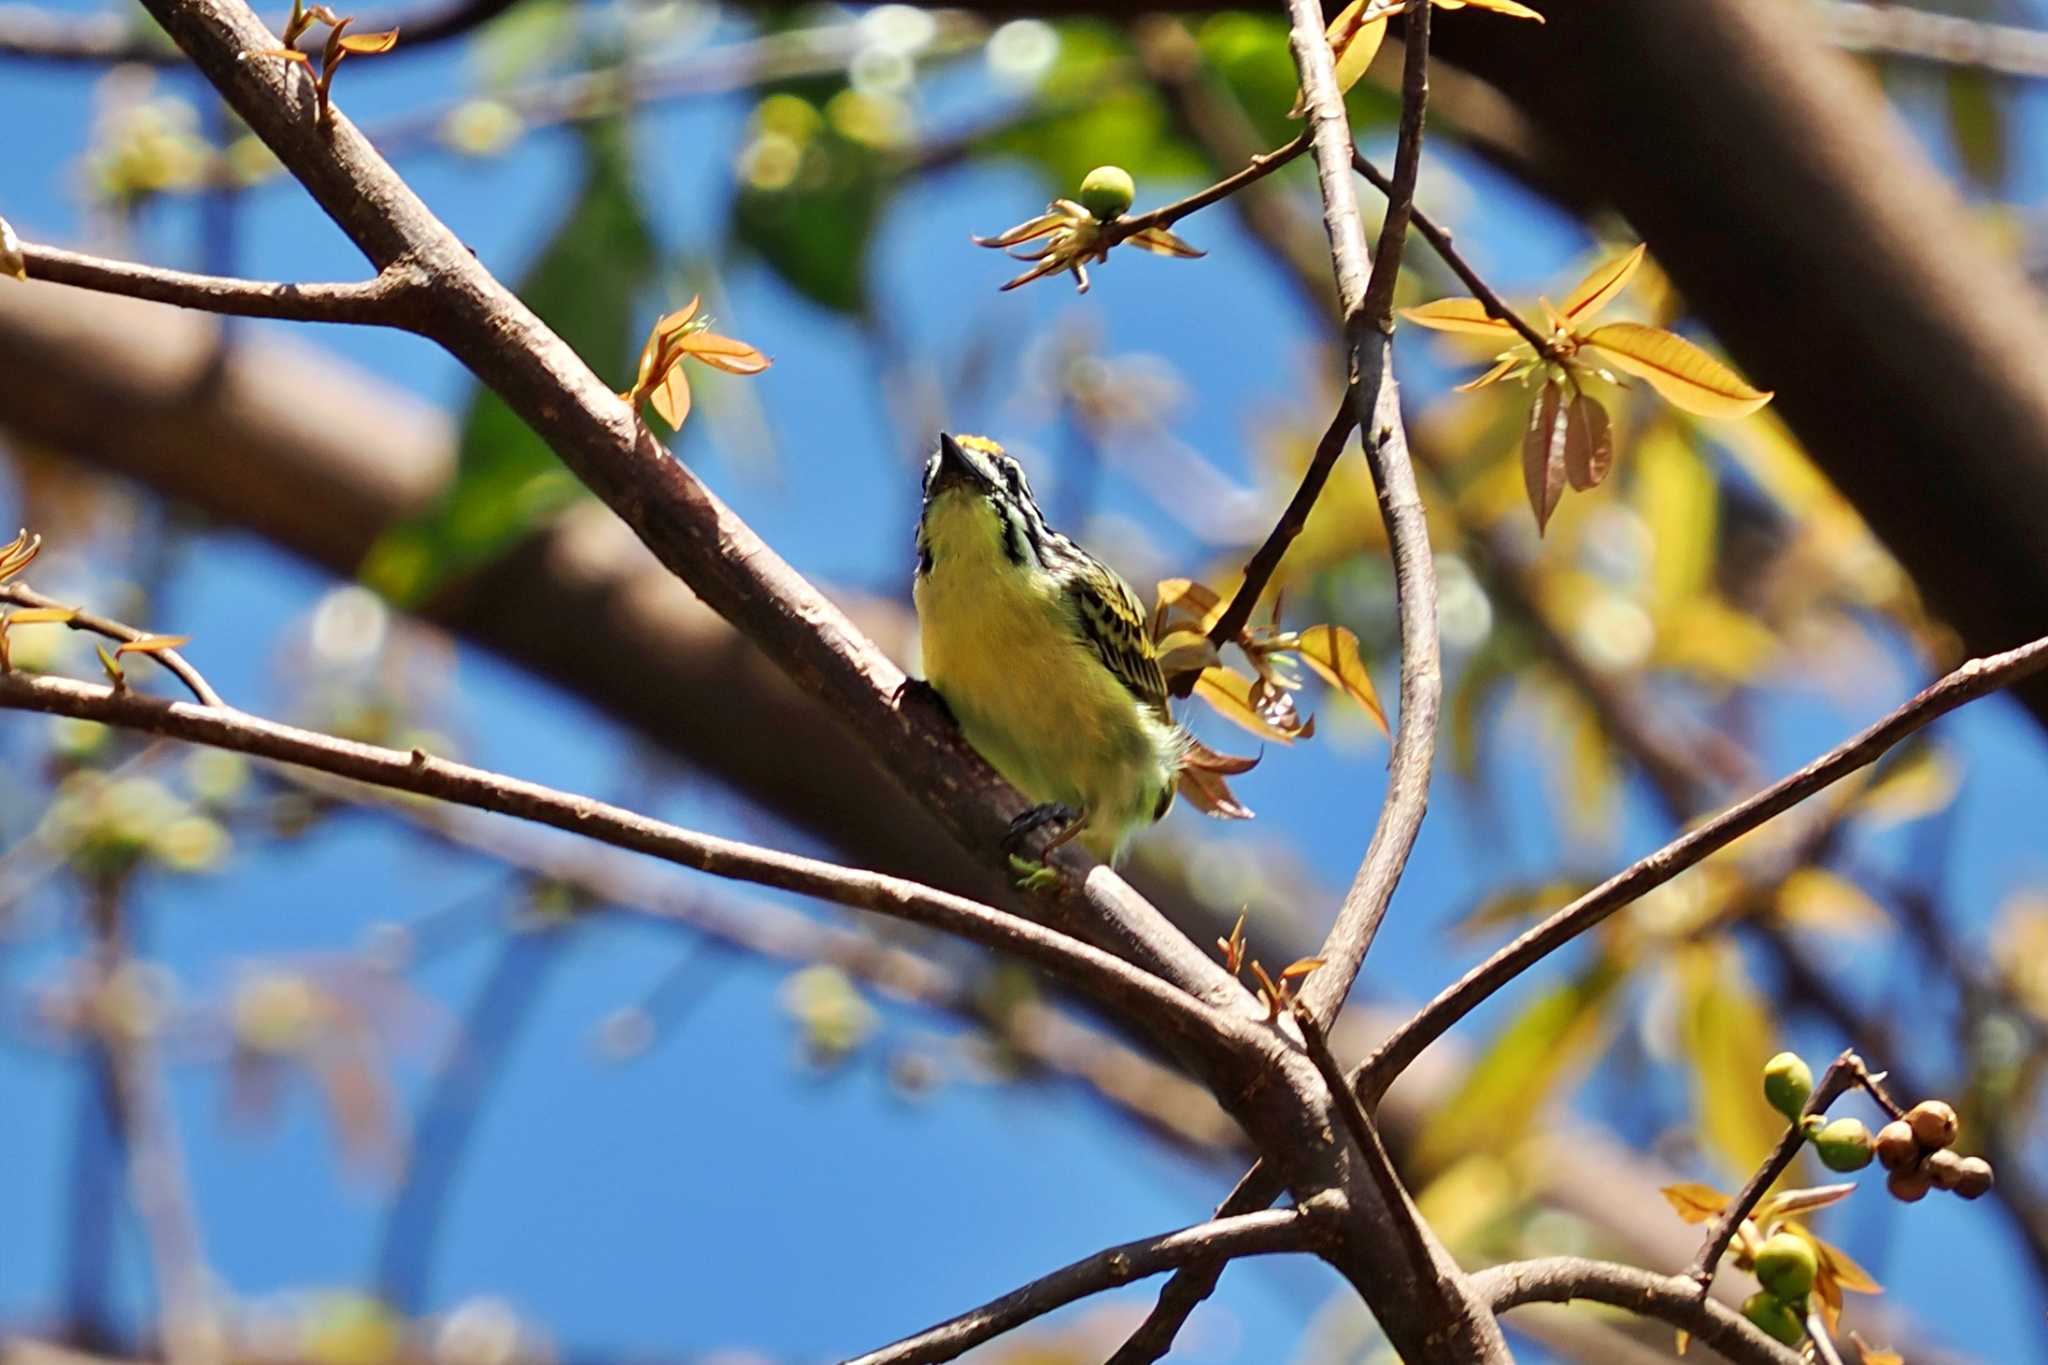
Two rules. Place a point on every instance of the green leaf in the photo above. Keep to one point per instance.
(808, 202)
(523, 41)
(587, 285)
(1549, 1043)
(1100, 114)
(1249, 52)
(1977, 124)
(1726, 1034)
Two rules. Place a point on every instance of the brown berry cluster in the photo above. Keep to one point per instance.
(1915, 1148)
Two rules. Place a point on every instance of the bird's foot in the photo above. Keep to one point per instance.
(1034, 874)
(1035, 877)
(926, 693)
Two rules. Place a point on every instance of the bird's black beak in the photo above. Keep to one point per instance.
(950, 465)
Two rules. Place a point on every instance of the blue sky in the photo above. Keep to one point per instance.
(715, 1194)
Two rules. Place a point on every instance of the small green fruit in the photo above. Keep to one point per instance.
(1843, 1145)
(1788, 1082)
(1778, 1319)
(1786, 1265)
(1107, 192)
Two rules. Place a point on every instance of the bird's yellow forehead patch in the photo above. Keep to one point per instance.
(979, 443)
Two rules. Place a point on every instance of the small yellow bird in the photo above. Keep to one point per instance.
(1042, 654)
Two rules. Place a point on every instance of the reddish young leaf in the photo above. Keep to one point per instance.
(1588, 444)
(1543, 445)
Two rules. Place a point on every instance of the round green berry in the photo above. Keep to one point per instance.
(1778, 1319)
(1844, 1145)
(1786, 1265)
(1107, 192)
(1788, 1081)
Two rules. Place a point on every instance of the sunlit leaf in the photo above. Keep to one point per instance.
(11, 262)
(1684, 375)
(1192, 598)
(1726, 1033)
(370, 44)
(1186, 651)
(1588, 443)
(1300, 967)
(1206, 790)
(1873, 1355)
(724, 353)
(1507, 7)
(1332, 651)
(1548, 1042)
(1230, 693)
(1694, 1203)
(1919, 783)
(1513, 905)
(1458, 315)
(1679, 500)
(42, 616)
(1543, 444)
(671, 397)
(152, 644)
(1815, 898)
(1493, 376)
(1978, 124)
(1601, 285)
(1793, 1203)
(1200, 755)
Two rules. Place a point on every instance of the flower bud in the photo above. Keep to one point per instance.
(1107, 192)
(1786, 1265)
(1973, 1178)
(1778, 1319)
(1843, 1145)
(1909, 1186)
(1788, 1081)
(1933, 1124)
(1896, 1146)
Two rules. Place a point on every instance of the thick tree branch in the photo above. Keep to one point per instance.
(1669, 1298)
(1256, 1234)
(1108, 978)
(1975, 679)
(396, 298)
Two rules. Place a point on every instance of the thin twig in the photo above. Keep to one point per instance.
(108, 38)
(1974, 679)
(1366, 286)
(1258, 168)
(1109, 977)
(1668, 1298)
(1256, 1189)
(1439, 239)
(383, 301)
(195, 682)
(1840, 1077)
(1260, 568)
(1256, 1234)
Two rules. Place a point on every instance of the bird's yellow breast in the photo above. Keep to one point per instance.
(1001, 645)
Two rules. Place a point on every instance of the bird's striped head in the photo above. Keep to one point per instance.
(966, 474)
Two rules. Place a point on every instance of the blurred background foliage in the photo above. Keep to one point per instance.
(410, 1023)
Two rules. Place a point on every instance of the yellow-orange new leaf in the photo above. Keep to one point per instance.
(370, 44)
(1695, 1203)
(1332, 651)
(1507, 7)
(1458, 315)
(1230, 692)
(1683, 375)
(1601, 284)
